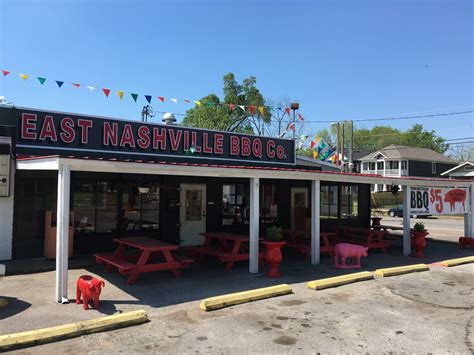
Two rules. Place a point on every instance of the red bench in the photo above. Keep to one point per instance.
(301, 242)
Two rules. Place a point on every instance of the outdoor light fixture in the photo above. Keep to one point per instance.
(295, 106)
(169, 118)
(144, 189)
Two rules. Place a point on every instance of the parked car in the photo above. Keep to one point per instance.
(398, 212)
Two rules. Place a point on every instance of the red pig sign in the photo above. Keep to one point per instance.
(432, 200)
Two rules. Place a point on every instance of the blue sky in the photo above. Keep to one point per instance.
(340, 59)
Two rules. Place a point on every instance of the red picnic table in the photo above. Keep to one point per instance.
(370, 238)
(228, 247)
(301, 241)
(152, 255)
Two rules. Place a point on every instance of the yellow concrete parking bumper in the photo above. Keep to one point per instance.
(340, 280)
(47, 335)
(400, 270)
(232, 299)
(459, 261)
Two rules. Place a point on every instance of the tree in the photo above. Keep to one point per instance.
(376, 138)
(418, 137)
(214, 114)
(462, 152)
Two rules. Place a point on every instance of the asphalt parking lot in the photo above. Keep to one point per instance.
(429, 312)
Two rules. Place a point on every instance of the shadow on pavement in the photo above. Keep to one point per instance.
(15, 306)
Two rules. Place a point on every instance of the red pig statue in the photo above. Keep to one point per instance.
(90, 288)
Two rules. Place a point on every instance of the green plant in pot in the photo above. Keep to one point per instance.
(273, 256)
(419, 239)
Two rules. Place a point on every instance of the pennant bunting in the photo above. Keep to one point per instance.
(91, 88)
(288, 110)
(198, 103)
(60, 83)
(315, 154)
(148, 98)
(106, 92)
(317, 138)
(262, 110)
(242, 107)
(210, 104)
(41, 80)
(5, 72)
(300, 117)
(312, 144)
(162, 99)
(120, 94)
(24, 76)
(135, 96)
(231, 107)
(174, 100)
(252, 109)
(291, 126)
(304, 138)
(187, 101)
(76, 85)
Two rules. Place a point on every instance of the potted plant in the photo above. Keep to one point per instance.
(273, 243)
(419, 234)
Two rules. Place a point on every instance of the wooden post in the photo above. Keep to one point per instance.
(315, 218)
(62, 233)
(254, 224)
(406, 221)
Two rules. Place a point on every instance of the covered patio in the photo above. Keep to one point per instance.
(65, 165)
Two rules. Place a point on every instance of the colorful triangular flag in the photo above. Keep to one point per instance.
(120, 94)
(288, 110)
(76, 85)
(41, 80)
(262, 110)
(291, 126)
(187, 101)
(315, 154)
(242, 107)
(312, 144)
(24, 76)
(5, 72)
(148, 98)
(300, 117)
(91, 88)
(231, 107)
(162, 99)
(198, 103)
(135, 96)
(210, 104)
(106, 92)
(252, 109)
(60, 83)
(174, 100)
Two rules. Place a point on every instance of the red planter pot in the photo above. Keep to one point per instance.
(273, 257)
(376, 221)
(419, 242)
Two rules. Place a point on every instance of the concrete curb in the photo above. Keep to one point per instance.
(459, 261)
(47, 335)
(340, 280)
(210, 304)
(400, 270)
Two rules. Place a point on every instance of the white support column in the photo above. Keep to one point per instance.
(406, 221)
(315, 218)
(62, 233)
(254, 224)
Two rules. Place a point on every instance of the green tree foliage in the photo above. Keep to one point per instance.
(213, 115)
(376, 138)
(418, 137)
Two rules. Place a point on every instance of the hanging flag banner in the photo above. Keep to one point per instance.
(174, 100)
(120, 94)
(231, 107)
(288, 111)
(91, 88)
(135, 96)
(148, 98)
(60, 83)
(41, 80)
(47, 133)
(5, 72)
(438, 201)
(24, 76)
(262, 110)
(76, 85)
(106, 92)
(161, 98)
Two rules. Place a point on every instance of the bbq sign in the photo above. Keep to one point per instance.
(55, 133)
(431, 200)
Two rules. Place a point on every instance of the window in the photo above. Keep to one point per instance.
(404, 165)
(329, 202)
(268, 204)
(84, 207)
(235, 204)
(106, 209)
(394, 165)
(380, 165)
(372, 166)
(433, 168)
(349, 201)
(365, 166)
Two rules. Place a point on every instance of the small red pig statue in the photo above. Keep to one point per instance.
(90, 288)
(348, 251)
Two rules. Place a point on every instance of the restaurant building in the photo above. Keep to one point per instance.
(84, 181)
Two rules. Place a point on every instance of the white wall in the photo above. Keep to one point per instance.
(6, 219)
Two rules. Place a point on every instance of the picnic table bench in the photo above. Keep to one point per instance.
(370, 238)
(228, 247)
(147, 255)
(301, 242)
(389, 231)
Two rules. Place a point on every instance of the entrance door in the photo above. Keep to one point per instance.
(299, 205)
(192, 214)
